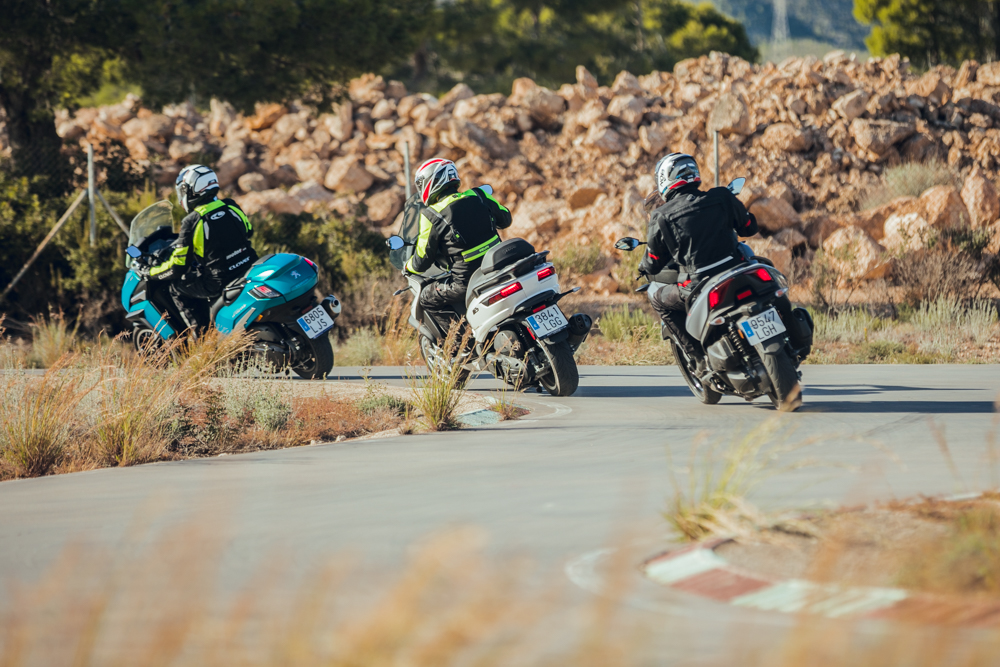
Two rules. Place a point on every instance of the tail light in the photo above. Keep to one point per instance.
(718, 293)
(764, 275)
(744, 294)
(546, 272)
(310, 263)
(513, 288)
(264, 292)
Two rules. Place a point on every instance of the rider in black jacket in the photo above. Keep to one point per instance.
(690, 238)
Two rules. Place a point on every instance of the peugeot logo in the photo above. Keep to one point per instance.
(296, 274)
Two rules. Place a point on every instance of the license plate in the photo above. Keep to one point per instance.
(316, 322)
(548, 321)
(760, 328)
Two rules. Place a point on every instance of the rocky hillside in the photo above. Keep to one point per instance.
(812, 136)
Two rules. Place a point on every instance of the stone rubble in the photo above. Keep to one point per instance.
(811, 135)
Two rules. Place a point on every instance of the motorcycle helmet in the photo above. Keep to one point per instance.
(432, 177)
(196, 185)
(676, 170)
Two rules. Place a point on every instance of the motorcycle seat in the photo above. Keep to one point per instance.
(504, 254)
(230, 293)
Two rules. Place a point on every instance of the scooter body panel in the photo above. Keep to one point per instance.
(483, 317)
(148, 309)
(290, 275)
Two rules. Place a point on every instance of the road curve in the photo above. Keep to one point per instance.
(571, 478)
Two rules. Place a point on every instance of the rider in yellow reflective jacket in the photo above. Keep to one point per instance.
(456, 231)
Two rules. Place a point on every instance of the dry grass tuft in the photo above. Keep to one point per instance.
(392, 342)
(52, 338)
(436, 396)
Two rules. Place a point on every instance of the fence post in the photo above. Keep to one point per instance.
(406, 169)
(90, 195)
(715, 144)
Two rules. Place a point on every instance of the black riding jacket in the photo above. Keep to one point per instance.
(214, 238)
(457, 231)
(692, 233)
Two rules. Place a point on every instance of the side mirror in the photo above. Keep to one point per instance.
(488, 189)
(736, 186)
(628, 244)
(395, 243)
(133, 252)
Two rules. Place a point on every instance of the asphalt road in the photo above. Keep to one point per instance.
(574, 476)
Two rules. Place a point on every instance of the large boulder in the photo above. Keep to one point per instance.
(943, 208)
(584, 195)
(653, 139)
(536, 217)
(481, 141)
(851, 105)
(253, 182)
(906, 232)
(275, 201)
(340, 123)
(787, 138)
(626, 83)
(729, 116)
(627, 109)
(980, 197)
(384, 206)
(232, 164)
(989, 74)
(348, 174)
(311, 196)
(774, 214)
(878, 136)
(602, 137)
(854, 254)
(266, 116)
(543, 105)
(220, 118)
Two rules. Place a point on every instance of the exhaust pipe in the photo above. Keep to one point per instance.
(579, 329)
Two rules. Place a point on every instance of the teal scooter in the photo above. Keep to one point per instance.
(274, 301)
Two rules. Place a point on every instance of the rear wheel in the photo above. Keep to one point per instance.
(706, 395)
(786, 392)
(145, 340)
(434, 358)
(317, 361)
(564, 377)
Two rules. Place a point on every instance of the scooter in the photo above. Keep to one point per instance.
(273, 301)
(519, 332)
(754, 341)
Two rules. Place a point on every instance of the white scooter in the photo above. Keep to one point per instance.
(520, 334)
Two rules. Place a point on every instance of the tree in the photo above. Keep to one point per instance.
(489, 43)
(244, 51)
(931, 31)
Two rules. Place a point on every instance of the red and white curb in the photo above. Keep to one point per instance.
(699, 570)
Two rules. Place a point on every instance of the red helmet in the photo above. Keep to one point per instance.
(432, 176)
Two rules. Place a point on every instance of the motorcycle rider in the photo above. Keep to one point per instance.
(456, 231)
(212, 249)
(690, 238)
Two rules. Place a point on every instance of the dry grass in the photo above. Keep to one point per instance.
(393, 342)
(52, 338)
(721, 476)
(910, 179)
(436, 396)
(629, 337)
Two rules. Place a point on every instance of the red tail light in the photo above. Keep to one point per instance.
(513, 288)
(546, 272)
(310, 262)
(718, 293)
(264, 292)
(763, 274)
(743, 295)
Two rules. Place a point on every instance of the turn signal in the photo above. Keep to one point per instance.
(513, 288)
(546, 272)
(264, 292)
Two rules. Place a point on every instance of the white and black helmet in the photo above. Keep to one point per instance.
(195, 185)
(676, 170)
(432, 176)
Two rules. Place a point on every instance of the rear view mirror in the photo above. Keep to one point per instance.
(628, 243)
(133, 252)
(736, 186)
(395, 243)
(488, 189)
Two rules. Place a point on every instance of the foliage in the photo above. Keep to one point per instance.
(910, 179)
(619, 324)
(578, 259)
(931, 31)
(438, 394)
(489, 43)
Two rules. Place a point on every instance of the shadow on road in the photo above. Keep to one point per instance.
(634, 392)
(863, 389)
(918, 407)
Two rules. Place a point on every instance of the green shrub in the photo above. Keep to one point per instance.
(383, 402)
(578, 259)
(625, 323)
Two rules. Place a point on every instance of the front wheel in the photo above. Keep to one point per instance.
(564, 376)
(317, 361)
(706, 395)
(786, 392)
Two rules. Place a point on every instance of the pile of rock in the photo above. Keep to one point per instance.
(813, 136)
